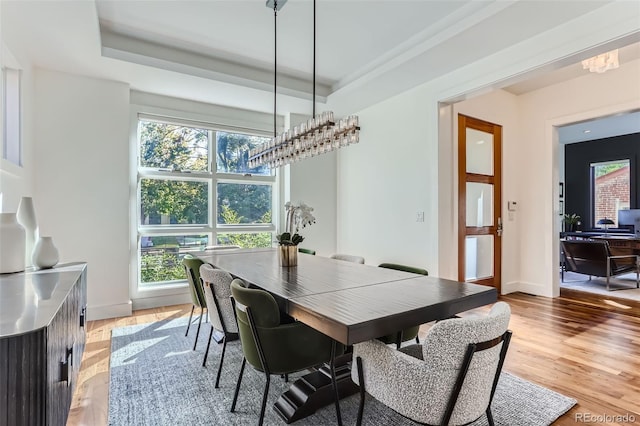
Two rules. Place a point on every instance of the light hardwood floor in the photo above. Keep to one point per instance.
(583, 346)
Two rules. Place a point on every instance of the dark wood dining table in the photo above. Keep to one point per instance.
(347, 301)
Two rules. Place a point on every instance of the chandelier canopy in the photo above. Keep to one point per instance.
(602, 63)
(320, 134)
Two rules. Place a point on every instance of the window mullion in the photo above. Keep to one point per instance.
(213, 188)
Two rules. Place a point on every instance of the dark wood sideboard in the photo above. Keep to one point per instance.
(42, 338)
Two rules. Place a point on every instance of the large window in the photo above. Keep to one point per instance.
(11, 97)
(194, 190)
(611, 189)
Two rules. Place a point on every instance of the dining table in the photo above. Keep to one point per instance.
(349, 302)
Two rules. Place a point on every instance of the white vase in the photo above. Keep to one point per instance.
(12, 242)
(27, 218)
(45, 253)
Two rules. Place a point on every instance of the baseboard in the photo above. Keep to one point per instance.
(524, 287)
(158, 301)
(109, 311)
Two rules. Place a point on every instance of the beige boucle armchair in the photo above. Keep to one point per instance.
(449, 379)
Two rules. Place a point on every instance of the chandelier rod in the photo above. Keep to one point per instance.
(275, 67)
(314, 59)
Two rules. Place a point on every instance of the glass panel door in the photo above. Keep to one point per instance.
(480, 225)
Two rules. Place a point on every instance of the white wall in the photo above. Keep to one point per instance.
(385, 180)
(537, 160)
(82, 180)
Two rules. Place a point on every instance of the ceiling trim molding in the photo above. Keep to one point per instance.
(615, 23)
(142, 52)
(462, 19)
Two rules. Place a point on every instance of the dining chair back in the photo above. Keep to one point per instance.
(270, 346)
(449, 380)
(348, 258)
(307, 251)
(409, 333)
(192, 268)
(217, 292)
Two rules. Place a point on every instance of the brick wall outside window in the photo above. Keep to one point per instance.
(612, 193)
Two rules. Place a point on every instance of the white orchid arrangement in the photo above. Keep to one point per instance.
(298, 216)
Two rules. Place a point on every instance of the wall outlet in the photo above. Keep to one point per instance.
(420, 217)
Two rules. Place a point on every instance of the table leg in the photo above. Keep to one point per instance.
(315, 390)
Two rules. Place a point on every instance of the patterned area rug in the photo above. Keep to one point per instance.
(157, 379)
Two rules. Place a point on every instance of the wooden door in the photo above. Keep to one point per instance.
(479, 201)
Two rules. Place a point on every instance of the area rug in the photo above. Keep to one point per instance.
(622, 287)
(157, 379)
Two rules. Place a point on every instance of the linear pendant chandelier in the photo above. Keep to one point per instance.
(318, 135)
(601, 63)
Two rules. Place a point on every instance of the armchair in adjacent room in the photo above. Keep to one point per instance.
(594, 257)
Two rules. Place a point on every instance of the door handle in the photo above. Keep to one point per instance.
(499, 229)
(83, 316)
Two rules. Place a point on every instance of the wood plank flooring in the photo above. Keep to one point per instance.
(584, 346)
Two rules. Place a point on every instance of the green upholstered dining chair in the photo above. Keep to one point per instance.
(405, 268)
(307, 251)
(411, 332)
(192, 268)
(270, 346)
(217, 292)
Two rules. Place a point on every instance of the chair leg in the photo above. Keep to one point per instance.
(235, 394)
(206, 353)
(224, 347)
(264, 400)
(334, 382)
(362, 391)
(190, 317)
(198, 330)
(489, 417)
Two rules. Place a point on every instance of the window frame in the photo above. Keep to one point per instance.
(211, 176)
(592, 175)
(16, 145)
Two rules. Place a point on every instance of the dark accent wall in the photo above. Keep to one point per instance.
(578, 158)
